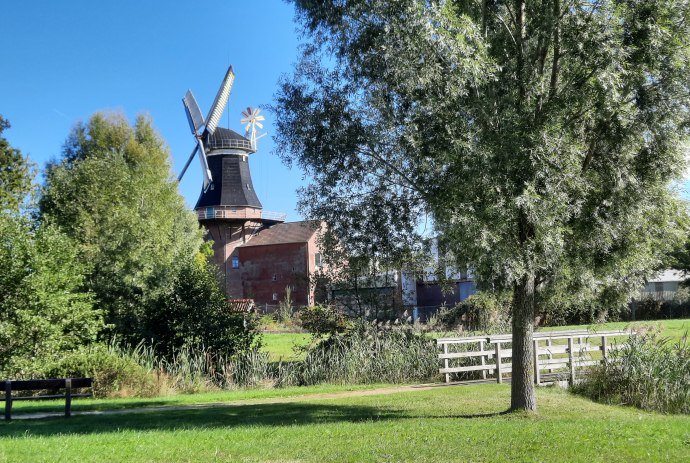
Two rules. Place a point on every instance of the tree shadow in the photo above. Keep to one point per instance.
(287, 414)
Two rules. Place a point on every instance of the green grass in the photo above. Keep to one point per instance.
(464, 423)
(673, 329)
(281, 346)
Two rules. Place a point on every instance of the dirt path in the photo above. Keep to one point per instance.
(235, 403)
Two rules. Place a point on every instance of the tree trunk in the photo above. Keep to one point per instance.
(522, 396)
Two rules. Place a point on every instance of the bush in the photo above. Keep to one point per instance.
(646, 372)
(114, 374)
(483, 311)
(322, 320)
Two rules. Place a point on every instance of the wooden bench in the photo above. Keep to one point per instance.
(45, 384)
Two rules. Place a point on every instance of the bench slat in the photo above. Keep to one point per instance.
(37, 384)
(45, 397)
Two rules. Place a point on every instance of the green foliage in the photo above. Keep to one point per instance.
(113, 193)
(541, 137)
(322, 320)
(195, 312)
(370, 355)
(114, 374)
(483, 311)
(15, 173)
(647, 372)
(43, 311)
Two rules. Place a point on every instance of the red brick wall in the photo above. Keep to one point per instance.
(226, 236)
(287, 263)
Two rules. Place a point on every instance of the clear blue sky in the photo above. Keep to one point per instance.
(63, 61)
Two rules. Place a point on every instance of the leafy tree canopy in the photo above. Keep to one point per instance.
(43, 310)
(16, 173)
(539, 135)
(113, 193)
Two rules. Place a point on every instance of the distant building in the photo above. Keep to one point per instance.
(663, 285)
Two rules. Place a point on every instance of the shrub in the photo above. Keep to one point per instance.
(322, 320)
(484, 311)
(113, 373)
(647, 372)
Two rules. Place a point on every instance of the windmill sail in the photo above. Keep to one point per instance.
(194, 116)
(219, 103)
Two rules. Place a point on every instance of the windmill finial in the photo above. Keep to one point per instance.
(252, 119)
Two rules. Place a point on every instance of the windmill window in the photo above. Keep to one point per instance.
(235, 262)
(248, 188)
(209, 212)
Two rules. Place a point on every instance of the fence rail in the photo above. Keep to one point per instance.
(553, 351)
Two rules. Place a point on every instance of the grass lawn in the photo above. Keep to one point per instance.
(673, 329)
(56, 406)
(281, 345)
(462, 423)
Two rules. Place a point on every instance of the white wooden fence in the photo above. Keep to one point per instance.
(556, 353)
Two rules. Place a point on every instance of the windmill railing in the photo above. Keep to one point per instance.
(230, 143)
(277, 216)
(225, 212)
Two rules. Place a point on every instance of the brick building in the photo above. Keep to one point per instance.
(279, 257)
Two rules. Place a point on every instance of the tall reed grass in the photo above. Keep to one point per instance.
(363, 355)
(646, 372)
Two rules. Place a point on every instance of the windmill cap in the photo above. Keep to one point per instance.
(227, 139)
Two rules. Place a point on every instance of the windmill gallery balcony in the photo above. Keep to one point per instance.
(240, 213)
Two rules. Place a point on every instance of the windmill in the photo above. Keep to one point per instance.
(252, 119)
(228, 206)
(196, 122)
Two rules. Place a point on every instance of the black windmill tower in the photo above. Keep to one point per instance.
(228, 206)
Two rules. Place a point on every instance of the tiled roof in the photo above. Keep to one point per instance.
(283, 233)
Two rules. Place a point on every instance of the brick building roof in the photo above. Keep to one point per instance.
(284, 233)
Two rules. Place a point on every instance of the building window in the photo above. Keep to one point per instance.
(275, 277)
(275, 296)
(209, 212)
(318, 261)
(235, 262)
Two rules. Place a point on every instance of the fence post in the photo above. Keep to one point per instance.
(499, 376)
(8, 400)
(603, 348)
(68, 397)
(571, 357)
(481, 349)
(445, 361)
(537, 377)
(548, 346)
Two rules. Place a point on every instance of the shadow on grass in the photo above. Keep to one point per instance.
(288, 414)
(270, 415)
(20, 408)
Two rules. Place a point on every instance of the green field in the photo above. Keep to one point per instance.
(281, 346)
(461, 423)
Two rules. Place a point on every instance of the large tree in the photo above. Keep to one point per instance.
(15, 173)
(539, 135)
(114, 194)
